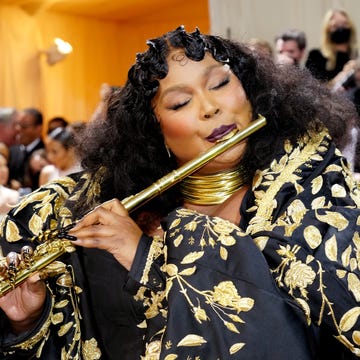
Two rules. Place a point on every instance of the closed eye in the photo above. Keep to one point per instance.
(179, 105)
(223, 83)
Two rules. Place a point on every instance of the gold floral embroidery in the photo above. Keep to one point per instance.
(155, 250)
(90, 350)
(41, 335)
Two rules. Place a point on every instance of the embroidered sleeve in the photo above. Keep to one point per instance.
(40, 211)
(146, 268)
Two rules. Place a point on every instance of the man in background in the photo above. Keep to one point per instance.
(290, 47)
(28, 127)
(7, 128)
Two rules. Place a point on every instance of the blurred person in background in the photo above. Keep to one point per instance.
(28, 126)
(8, 197)
(56, 122)
(334, 61)
(60, 152)
(7, 128)
(290, 47)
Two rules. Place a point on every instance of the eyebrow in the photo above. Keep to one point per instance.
(174, 88)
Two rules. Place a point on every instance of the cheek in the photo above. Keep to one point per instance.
(4, 173)
(173, 129)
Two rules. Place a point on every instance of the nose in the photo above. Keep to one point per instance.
(211, 113)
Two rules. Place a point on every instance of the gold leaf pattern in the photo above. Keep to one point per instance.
(61, 304)
(12, 232)
(33, 197)
(331, 248)
(235, 348)
(338, 191)
(175, 223)
(261, 242)
(171, 357)
(57, 318)
(312, 236)
(316, 185)
(304, 305)
(354, 285)
(349, 319)
(192, 340)
(192, 257)
(318, 203)
(334, 219)
(356, 337)
(35, 224)
(178, 240)
(345, 256)
(65, 328)
(45, 211)
(188, 271)
(223, 253)
(231, 327)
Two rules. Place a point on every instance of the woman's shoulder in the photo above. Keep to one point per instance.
(48, 169)
(315, 54)
(11, 196)
(47, 173)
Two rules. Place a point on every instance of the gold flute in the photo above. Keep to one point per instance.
(13, 272)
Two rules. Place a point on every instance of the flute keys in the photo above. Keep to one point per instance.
(13, 261)
(26, 254)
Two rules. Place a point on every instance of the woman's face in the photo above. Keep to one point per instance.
(4, 170)
(57, 154)
(199, 103)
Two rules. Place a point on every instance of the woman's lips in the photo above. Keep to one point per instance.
(220, 132)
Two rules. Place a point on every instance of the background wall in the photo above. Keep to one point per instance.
(246, 19)
(106, 35)
(104, 49)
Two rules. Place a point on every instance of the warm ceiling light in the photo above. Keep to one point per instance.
(58, 51)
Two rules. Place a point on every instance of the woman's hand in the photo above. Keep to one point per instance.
(109, 227)
(24, 305)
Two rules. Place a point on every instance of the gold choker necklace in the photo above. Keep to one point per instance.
(212, 189)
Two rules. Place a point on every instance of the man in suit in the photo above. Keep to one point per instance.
(28, 126)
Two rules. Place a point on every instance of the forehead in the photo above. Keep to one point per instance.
(52, 142)
(288, 44)
(180, 65)
(339, 18)
(22, 116)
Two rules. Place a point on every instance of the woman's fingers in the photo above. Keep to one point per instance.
(108, 227)
(100, 215)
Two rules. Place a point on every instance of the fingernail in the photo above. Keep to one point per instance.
(70, 237)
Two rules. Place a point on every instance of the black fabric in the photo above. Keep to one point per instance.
(19, 168)
(316, 63)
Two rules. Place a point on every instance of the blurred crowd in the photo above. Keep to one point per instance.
(28, 159)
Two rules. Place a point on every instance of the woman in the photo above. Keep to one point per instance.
(334, 61)
(256, 254)
(8, 197)
(60, 152)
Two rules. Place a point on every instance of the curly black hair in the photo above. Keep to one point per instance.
(129, 143)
